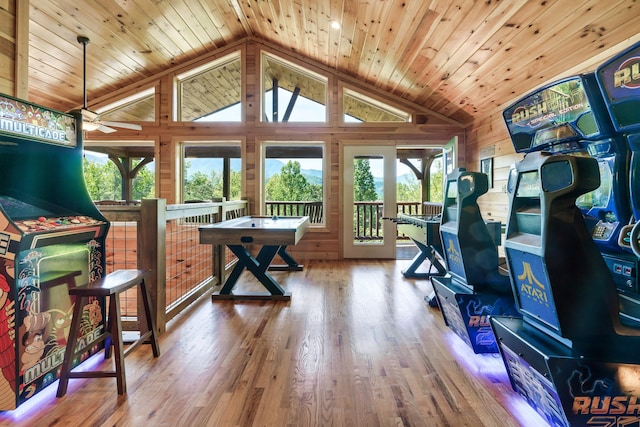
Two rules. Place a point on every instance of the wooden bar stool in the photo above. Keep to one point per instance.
(110, 286)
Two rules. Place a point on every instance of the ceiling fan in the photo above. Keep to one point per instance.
(91, 120)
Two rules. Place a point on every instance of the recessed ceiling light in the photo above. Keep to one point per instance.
(335, 25)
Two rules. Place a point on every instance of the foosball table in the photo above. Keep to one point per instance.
(424, 232)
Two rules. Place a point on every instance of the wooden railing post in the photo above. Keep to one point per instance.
(152, 231)
(218, 253)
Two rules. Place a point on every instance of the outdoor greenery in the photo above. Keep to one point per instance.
(437, 182)
(105, 183)
(364, 187)
(291, 185)
(202, 186)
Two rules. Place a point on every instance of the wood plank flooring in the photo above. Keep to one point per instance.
(356, 346)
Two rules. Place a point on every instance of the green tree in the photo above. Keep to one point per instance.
(291, 185)
(144, 184)
(235, 186)
(364, 190)
(409, 191)
(103, 181)
(436, 181)
(198, 187)
(364, 187)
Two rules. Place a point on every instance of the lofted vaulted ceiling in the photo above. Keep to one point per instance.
(460, 58)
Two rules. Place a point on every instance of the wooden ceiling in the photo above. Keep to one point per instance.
(460, 58)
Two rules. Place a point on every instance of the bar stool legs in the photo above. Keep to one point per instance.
(109, 286)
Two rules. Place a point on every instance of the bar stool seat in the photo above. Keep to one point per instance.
(109, 286)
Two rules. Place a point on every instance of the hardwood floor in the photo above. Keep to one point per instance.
(356, 346)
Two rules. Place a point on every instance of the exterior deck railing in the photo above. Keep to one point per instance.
(368, 217)
(314, 210)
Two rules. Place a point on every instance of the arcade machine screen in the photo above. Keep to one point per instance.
(554, 115)
(528, 203)
(599, 199)
(451, 202)
(19, 209)
(619, 80)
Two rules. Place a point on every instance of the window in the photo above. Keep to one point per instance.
(436, 180)
(140, 107)
(360, 108)
(103, 178)
(211, 93)
(212, 170)
(291, 93)
(408, 186)
(294, 179)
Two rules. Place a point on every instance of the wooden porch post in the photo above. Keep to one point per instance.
(152, 255)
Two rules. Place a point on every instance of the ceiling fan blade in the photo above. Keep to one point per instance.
(131, 126)
(89, 115)
(105, 129)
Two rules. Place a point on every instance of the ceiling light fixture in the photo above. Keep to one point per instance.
(335, 25)
(90, 126)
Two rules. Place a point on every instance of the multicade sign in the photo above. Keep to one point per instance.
(24, 120)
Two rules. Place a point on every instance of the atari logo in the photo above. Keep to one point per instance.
(530, 286)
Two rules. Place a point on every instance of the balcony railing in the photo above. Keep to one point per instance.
(313, 210)
(367, 215)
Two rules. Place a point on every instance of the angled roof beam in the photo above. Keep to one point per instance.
(292, 103)
(274, 100)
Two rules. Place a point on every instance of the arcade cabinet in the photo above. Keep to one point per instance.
(570, 117)
(619, 81)
(51, 238)
(569, 356)
(475, 287)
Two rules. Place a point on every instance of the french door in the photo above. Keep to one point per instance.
(369, 179)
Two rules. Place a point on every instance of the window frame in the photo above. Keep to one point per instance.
(326, 165)
(300, 69)
(182, 143)
(200, 70)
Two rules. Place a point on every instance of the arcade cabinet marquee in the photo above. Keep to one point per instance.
(51, 238)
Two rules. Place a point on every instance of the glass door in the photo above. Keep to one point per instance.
(369, 179)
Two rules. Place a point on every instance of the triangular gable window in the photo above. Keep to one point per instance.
(361, 108)
(140, 107)
(300, 95)
(211, 93)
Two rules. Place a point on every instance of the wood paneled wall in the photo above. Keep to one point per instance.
(7, 45)
(488, 137)
(14, 47)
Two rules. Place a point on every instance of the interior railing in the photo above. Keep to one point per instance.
(165, 239)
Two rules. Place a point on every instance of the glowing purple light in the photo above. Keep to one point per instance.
(491, 367)
(46, 399)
